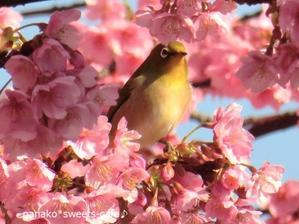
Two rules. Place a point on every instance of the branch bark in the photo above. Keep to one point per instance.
(9, 3)
(252, 2)
(202, 84)
(53, 9)
(13, 3)
(265, 125)
(260, 126)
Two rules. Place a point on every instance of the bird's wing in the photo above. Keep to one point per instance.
(136, 80)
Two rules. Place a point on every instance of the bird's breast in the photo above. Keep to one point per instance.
(154, 110)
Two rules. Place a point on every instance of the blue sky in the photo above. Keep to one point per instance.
(277, 148)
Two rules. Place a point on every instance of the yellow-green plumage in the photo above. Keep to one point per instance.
(156, 96)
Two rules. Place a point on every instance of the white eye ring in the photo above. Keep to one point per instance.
(164, 53)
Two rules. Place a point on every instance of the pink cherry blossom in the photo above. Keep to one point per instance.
(274, 96)
(39, 175)
(125, 40)
(27, 186)
(236, 177)
(16, 117)
(101, 98)
(247, 216)
(124, 138)
(131, 177)
(287, 62)
(190, 7)
(257, 72)
(189, 180)
(288, 19)
(51, 57)
(143, 4)
(222, 209)
(105, 10)
(93, 141)
(88, 76)
(165, 26)
(65, 207)
(104, 208)
(95, 41)
(23, 72)
(153, 215)
(234, 141)
(187, 200)
(9, 17)
(137, 160)
(26, 199)
(54, 130)
(286, 201)
(71, 125)
(118, 192)
(267, 181)
(3, 171)
(45, 142)
(104, 170)
(193, 218)
(209, 24)
(59, 27)
(74, 168)
(56, 97)
(167, 172)
(223, 6)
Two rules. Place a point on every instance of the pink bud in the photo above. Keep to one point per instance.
(167, 172)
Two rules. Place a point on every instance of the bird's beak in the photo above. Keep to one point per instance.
(179, 53)
(183, 53)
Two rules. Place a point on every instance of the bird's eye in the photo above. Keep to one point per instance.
(164, 53)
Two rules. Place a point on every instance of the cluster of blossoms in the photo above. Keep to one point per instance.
(284, 205)
(55, 91)
(9, 19)
(218, 60)
(214, 60)
(191, 182)
(124, 44)
(279, 64)
(187, 20)
(57, 105)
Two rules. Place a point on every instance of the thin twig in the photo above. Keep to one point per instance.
(13, 3)
(53, 9)
(202, 84)
(260, 126)
(252, 2)
(5, 85)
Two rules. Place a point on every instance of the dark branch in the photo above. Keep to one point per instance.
(266, 125)
(262, 125)
(52, 9)
(252, 2)
(202, 84)
(251, 16)
(13, 3)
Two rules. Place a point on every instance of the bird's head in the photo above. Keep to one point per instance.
(172, 50)
(165, 57)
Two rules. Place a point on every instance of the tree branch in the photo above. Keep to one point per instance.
(265, 125)
(13, 3)
(202, 84)
(252, 2)
(260, 126)
(53, 9)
